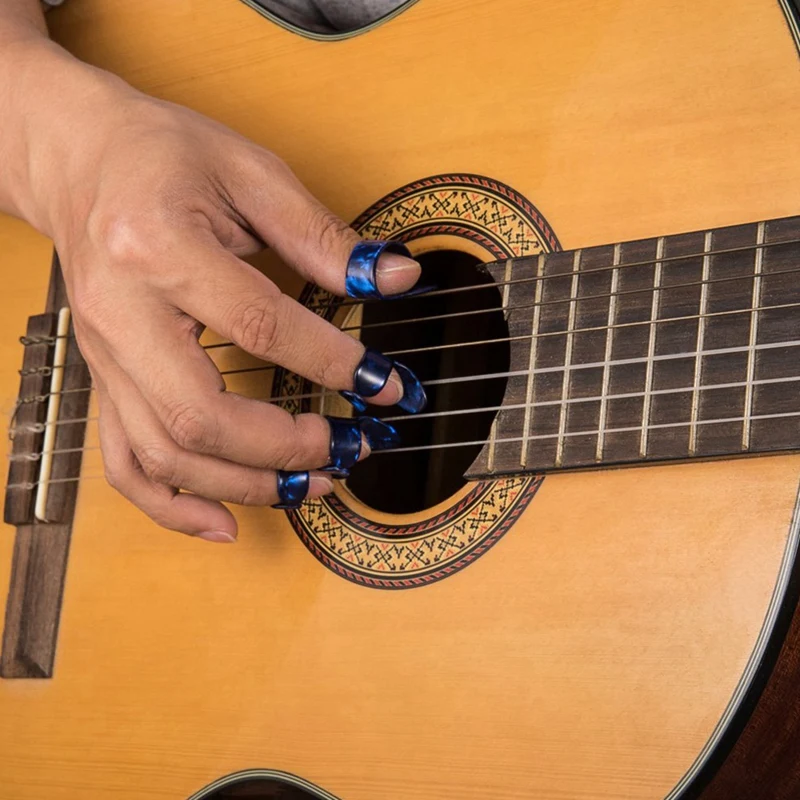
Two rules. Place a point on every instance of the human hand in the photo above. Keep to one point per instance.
(151, 207)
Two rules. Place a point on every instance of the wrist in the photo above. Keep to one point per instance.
(50, 103)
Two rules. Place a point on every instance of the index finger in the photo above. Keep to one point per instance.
(238, 302)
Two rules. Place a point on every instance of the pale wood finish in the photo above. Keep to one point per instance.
(592, 651)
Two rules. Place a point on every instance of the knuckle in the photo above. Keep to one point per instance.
(126, 239)
(252, 493)
(157, 463)
(161, 518)
(307, 444)
(329, 372)
(256, 326)
(327, 231)
(191, 428)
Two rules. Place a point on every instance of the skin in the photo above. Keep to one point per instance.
(151, 208)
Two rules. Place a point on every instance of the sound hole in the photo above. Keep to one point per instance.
(405, 482)
(261, 789)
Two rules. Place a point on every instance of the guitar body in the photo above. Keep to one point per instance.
(597, 634)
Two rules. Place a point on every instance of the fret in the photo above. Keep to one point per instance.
(776, 326)
(651, 349)
(573, 295)
(537, 299)
(657, 359)
(492, 443)
(707, 423)
(751, 356)
(701, 327)
(668, 348)
(612, 318)
(659, 426)
(508, 272)
(507, 282)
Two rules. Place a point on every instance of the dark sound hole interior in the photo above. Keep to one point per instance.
(261, 789)
(413, 481)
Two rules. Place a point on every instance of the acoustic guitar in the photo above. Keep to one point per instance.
(577, 578)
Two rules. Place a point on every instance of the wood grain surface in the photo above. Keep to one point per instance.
(592, 651)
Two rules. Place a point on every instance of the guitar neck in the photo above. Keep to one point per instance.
(677, 347)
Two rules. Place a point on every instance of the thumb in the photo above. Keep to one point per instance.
(308, 236)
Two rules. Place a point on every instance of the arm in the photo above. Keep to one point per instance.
(151, 207)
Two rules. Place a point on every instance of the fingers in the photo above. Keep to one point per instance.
(196, 516)
(307, 235)
(186, 394)
(146, 466)
(240, 303)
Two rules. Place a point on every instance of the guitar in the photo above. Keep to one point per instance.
(578, 577)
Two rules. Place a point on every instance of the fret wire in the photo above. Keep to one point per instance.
(493, 429)
(506, 282)
(651, 347)
(341, 304)
(311, 395)
(588, 399)
(749, 394)
(589, 433)
(458, 289)
(526, 423)
(525, 306)
(591, 329)
(557, 333)
(612, 318)
(447, 445)
(568, 344)
(591, 365)
(492, 442)
(701, 329)
(501, 407)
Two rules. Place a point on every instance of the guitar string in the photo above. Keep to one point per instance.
(511, 308)
(543, 278)
(51, 339)
(559, 301)
(448, 445)
(40, 427)
(689, 317)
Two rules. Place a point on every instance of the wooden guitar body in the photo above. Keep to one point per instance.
(582, 635)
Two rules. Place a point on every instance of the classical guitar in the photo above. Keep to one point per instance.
(578, 577)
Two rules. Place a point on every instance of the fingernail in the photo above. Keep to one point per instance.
(378, 434)
(395, 386)
(370, 377)
(376, 373)
(319, 485)
(396, 273)
(381, 270)
(221, 537)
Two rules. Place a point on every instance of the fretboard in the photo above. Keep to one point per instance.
(678, 347)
